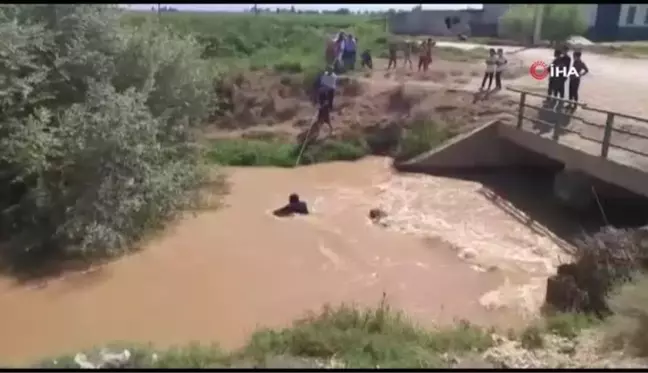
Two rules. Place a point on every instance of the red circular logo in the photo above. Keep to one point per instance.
(539, 70)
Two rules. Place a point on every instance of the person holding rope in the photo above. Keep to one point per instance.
(325, 87)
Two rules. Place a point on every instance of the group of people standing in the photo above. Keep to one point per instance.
(562, 60)
(495, 66)
(341, 52)
(424, 50)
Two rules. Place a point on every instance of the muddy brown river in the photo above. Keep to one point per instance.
(219, 275)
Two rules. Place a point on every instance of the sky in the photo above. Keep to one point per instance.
(308, 6)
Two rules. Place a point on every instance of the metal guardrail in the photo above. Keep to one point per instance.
(608, 127)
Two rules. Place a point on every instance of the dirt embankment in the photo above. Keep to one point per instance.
(263, 104)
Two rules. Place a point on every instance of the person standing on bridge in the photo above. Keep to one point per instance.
(563, 61)
(554, 83)
(574, 81)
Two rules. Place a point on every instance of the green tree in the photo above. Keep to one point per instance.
(559, 22)
(96, 124)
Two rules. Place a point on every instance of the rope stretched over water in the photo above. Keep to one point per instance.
(305, 142)
(600, 206)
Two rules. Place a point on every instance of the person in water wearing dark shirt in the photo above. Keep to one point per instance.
(574, 81)
(294, 206)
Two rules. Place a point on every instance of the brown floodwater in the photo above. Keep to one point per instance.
(219, 275)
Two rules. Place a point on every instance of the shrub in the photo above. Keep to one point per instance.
(628, 327)
(569, 325)
(96, 146)
(531, 338)
(367, 338)
(420, 137)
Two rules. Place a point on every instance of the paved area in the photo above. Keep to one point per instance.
(615, 84)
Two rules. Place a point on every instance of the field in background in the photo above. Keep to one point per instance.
(284, 42)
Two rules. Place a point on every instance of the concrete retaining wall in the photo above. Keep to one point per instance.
(479, 149)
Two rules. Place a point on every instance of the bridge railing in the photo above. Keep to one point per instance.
(556, 124)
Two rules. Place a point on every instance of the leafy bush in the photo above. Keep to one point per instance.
(96, 119)
(420, 137)
(602, 262)
(559, 21)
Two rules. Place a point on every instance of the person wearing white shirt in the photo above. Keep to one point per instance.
(500, 66)
(326, 94)
(490, 69)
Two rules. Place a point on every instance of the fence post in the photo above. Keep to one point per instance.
(521, 109)
(607, 135)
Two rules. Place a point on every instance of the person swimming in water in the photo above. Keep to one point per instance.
(294, 206)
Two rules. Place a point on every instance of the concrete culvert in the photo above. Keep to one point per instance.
(573, 188)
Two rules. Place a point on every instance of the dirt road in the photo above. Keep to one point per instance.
(615, 84)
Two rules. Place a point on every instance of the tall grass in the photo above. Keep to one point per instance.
(341, 336)
(628, 327)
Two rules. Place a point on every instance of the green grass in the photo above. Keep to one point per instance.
(283, 42)
(566, 325)
(627, 328)
(418, 138)
(248, 152)
(344, 336)
(569, 325)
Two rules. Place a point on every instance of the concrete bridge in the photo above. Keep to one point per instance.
(602, 151)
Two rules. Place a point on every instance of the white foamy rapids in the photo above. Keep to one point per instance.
(459, 212)
(527, 298)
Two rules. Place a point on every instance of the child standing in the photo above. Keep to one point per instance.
(366, 59)
(407, 53)
(422, 56)
(428, 53)
(500, 66)
(392, 50)
(491, 62)
(574, 81)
